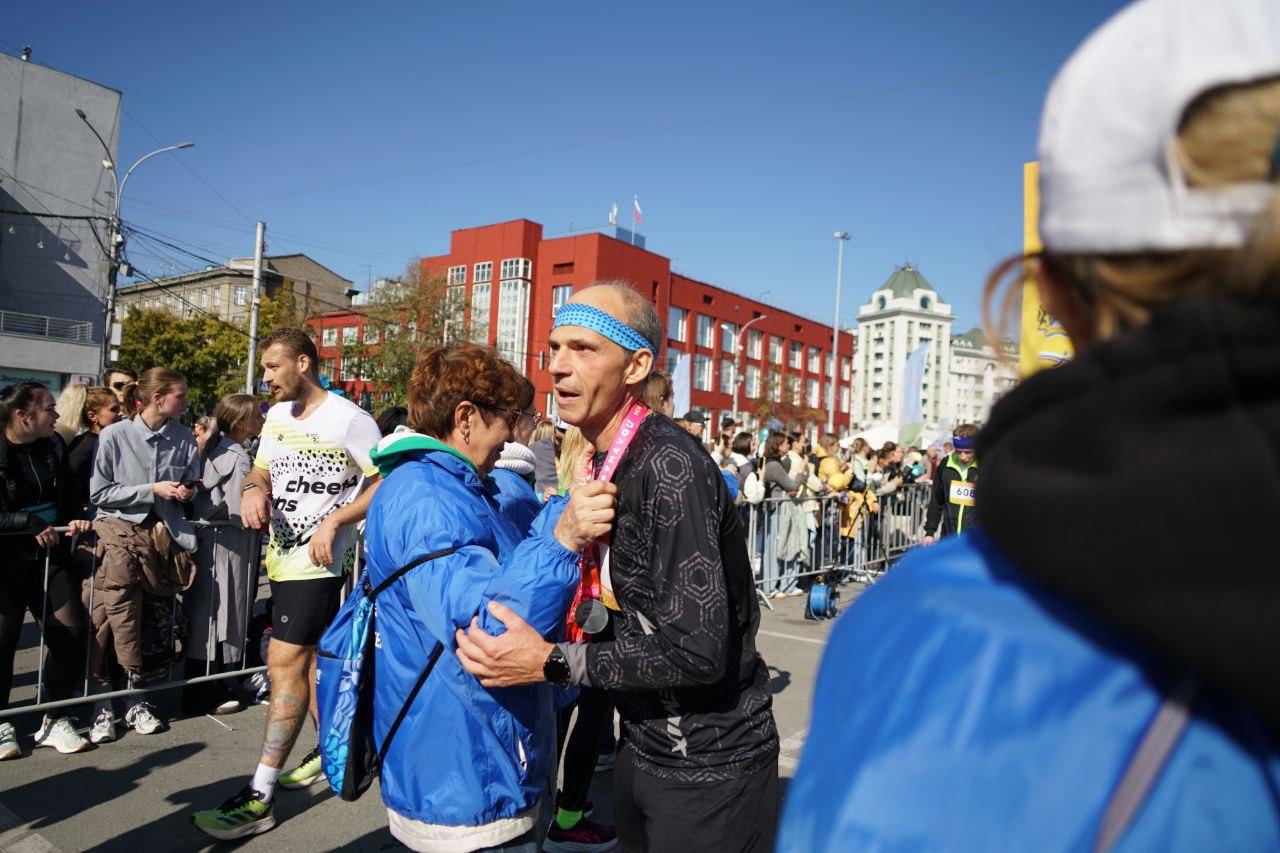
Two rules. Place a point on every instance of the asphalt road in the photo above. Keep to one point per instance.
(137, 793)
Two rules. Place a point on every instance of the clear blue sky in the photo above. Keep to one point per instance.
(362, 134)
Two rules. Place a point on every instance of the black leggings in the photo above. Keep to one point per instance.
(595, 711)
(21, 583)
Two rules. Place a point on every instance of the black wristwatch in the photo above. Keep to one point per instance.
(556, 668)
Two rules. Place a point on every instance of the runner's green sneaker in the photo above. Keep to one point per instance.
(244, 814)
(305, 774)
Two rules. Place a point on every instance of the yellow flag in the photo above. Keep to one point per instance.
(1044, 343)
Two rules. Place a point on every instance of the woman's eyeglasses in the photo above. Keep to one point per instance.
(515, 416)
(119, 386)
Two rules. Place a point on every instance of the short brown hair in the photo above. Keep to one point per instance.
(445, 376)
(965, 431)
(296, 342)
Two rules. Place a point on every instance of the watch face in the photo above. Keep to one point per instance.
(556, 669)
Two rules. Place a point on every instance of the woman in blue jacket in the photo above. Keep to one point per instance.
(469, 767)
(1096, 668)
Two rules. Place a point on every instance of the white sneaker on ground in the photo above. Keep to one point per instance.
(61, 735)
(230, 706)
(142, 719)
(9, 742)
(104, 727)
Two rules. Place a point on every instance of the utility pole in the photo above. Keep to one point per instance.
(259, 247)
(115, 235)
(842, 237)
(737, 374)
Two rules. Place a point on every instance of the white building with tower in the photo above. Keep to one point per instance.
(902, 314)
(963, 374)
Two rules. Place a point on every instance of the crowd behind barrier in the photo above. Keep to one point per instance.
(791, 542)
(183, 639)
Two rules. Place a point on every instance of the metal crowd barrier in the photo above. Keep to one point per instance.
(793, 538)
(253, 570)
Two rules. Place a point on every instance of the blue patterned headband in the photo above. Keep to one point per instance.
(967, 442)
(577, 314)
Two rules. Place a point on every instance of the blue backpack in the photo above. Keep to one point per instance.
(344, 688)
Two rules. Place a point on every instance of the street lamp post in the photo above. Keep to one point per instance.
(115, 239)
(842, 237)
(737, 353)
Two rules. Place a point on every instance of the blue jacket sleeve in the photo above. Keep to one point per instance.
(538, 580)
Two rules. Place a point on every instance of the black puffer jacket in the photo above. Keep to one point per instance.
(33, 474)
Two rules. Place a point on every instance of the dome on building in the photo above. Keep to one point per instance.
(907, 279)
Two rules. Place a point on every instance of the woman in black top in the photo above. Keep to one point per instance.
(101, 410)
(36, 494)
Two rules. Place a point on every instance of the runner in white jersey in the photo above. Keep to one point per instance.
(311, 482)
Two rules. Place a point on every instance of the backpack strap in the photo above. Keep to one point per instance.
(1146, 764)
(413, 694)
(371, 591)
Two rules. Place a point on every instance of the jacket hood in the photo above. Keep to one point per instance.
(1141, 481)
(392, 449)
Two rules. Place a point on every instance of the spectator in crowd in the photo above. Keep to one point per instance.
(101, 410)
(786, 532)
(860, 459)
(203, 426)
(311, 482)
(659, 395)
(471, 793)
(69, 405)
(117, 379)
(952, 501)
(143, 472)
(218, 603)
(695, 423)
(392, 417)
(514, 471)
(800, 465)
(37, 494)
(1092, 668)
(545, 444)
(698, 766)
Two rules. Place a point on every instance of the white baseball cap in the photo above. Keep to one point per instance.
(1109, 178)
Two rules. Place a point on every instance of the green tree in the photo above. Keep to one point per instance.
(209, 352)
(414, 313)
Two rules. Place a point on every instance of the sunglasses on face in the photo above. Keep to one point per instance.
(119, 386)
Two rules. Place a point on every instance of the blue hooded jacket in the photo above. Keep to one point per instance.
(960, 706)
(466, 755)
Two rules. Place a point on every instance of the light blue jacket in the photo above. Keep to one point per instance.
(465, 755)
(961, 707)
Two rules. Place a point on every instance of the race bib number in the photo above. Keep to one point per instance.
(963, 493)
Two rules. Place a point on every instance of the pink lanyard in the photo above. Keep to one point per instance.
(622, 440)
(589, 561)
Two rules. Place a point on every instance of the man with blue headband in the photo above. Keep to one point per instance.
(698, 768)
(954, 488)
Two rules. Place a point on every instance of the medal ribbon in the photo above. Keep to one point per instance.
(589, 560)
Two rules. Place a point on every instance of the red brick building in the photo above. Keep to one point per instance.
(510, 281)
